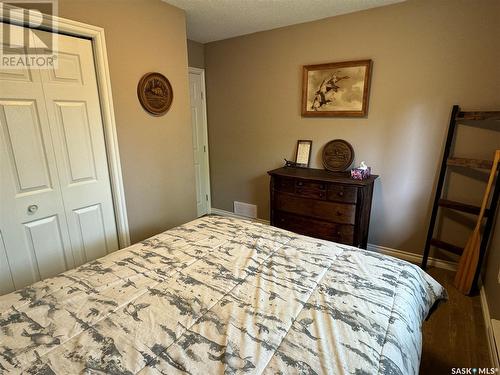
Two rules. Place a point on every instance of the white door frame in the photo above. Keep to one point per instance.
(206, 176)
(96, 35)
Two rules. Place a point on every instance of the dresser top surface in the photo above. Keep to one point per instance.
(321, 174)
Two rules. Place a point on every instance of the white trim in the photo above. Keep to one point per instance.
(489, 329)
(96, 35)
(401, 254)
(206, 176)
(412, 257)
(216, 211)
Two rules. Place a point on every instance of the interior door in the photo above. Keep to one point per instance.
(72, 100)
(200, 141)
(56, 208)
(34, 237)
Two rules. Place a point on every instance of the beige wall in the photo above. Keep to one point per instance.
(196, 54)
(156, 152)
(428, 55)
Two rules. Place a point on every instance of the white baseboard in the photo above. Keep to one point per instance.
(401, 254)
(216, 211)
(492, 346)
(412, 257)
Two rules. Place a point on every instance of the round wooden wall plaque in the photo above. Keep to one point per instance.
(155, 93)
(338, 155)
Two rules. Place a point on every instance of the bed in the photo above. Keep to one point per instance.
(222, 295)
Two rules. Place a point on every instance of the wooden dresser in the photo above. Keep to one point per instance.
(322, 204)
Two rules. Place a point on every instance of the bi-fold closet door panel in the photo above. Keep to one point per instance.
(35, 238)
(56, 203)
(72, 100)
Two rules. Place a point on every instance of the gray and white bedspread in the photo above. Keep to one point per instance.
(222, 295)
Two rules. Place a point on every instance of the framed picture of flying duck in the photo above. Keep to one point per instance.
(339, 89)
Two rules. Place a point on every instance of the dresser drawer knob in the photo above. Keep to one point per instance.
(339, 234)
(341, 193)
(299, 191)
(339, 213)
(322, 187)
(321, 195)
(300, 183)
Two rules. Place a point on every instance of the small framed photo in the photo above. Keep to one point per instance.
(303, 154)
(338, 89)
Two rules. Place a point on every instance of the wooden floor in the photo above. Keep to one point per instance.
(454, 336)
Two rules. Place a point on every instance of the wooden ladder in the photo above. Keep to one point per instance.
(439, 201)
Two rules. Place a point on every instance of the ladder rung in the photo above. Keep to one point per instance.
(492, 115)
(470, 163)
(468, 208)
(447, 246)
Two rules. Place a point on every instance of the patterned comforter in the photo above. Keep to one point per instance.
(222, 295)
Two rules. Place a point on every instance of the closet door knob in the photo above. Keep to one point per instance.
(32, 209)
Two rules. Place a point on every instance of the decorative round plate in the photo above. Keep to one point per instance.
(155, 93)
(338, 155)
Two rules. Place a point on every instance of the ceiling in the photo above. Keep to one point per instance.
(211, 20)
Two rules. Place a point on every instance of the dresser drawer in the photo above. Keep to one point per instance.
(306, 189)
(311, 189)
(315, 228)
(340, 213)
(342, 193)
(284, 184)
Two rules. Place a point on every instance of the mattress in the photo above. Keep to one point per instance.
(222, 295)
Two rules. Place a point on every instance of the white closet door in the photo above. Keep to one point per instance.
(56, 208)
(6, 282)
(34, 237)
(73, 107)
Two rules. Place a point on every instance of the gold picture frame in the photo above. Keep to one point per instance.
(338, 89)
